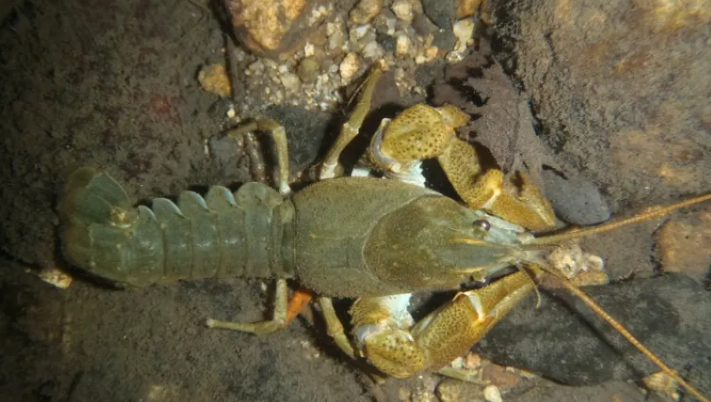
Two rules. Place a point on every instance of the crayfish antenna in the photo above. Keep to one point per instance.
(597, 309)
(648, 214)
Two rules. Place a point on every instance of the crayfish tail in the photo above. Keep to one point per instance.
(249, 233)
(105, 235)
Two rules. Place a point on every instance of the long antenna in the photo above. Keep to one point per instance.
(648, 214)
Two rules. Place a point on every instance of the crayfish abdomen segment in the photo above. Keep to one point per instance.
(248, 233)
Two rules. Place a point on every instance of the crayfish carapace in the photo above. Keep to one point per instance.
(371, 239)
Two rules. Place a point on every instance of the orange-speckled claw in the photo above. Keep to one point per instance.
(420, 132)
(522, 204)
(423, 132)
(387, 337)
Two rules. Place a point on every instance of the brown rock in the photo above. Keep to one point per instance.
(467, 8)
(500, 376)
(621, 89)
(365, 11)
(213, 78)
(274, 28)
(684, 244)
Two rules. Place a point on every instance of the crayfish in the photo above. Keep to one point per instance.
(374, 239)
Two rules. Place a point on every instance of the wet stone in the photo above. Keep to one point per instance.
(442, 13)
(365, 11)
(308, 70)
(387, 42)
(575, 200)
(564, 341)
(272, 28)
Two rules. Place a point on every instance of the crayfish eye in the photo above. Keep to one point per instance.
(481, 224)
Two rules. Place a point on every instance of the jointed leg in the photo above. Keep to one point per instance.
(335, 327)
(396, 349)
(277, 322)
(350, 128)
(298, 302)
(279, 136)
(423, 132)
(489, 192)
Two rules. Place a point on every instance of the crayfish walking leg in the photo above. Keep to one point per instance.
(279, 317)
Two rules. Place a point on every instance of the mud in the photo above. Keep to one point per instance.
(112, 84)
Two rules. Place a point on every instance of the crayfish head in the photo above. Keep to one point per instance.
(434, 243)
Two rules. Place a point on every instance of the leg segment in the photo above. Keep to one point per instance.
(423, 132)
(350, 128)
(523, 205)
(298, 302)
(279, 137)
(419, 132)
(335, 327)
(397, 348)
(277, 322)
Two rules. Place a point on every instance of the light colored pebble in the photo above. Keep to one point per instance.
(55, 277)
(372, 50)
(309, 49)
(337, 38)
(290, 81)
(365, 11)
(431, 53)
(390, 23)
(463, 31)
(349, 67)
(492, 394)
(403, 10)
(257, 67)
(359, 32)
(403, 45)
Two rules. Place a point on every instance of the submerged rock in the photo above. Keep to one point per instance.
(564, 341)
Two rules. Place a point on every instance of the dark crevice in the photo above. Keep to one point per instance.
(655, 251)
(555, 171)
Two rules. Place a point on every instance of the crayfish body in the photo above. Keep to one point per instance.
(377, 240)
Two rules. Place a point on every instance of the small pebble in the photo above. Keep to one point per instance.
(349, 67)
(336, 36)
(308, 70)
(365, 11)
(390, 23)
(257, 67)
(467, 8)
(359, 32)
(214, 79)
(290, 81)
(492, 394)
(431, 53)
(372, 51)
(55, 277)
(463, 30)
(403, 45)
(309, 49)
(575, 199)
(403, 10)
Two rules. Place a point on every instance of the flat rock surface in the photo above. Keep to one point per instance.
(566, 342)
